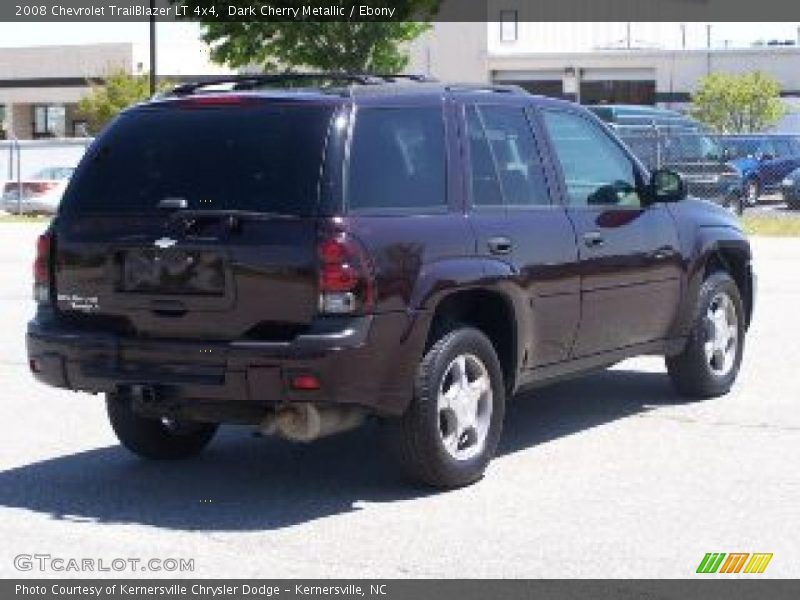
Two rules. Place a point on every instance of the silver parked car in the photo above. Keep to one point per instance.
(40, 194)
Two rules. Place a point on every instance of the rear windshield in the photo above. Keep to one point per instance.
(253, 158)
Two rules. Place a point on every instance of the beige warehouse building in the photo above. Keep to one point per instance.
(639, 63)
(40, 86)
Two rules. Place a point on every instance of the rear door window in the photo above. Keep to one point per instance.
(485, 183)
(506, 165)
(264, 158)
(397, 160)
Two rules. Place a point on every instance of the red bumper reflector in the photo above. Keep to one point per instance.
(304, 382)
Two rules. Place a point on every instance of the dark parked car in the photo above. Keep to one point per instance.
(762, 160)
(695, 156)
(631, 115)
(790, 188)
(297, 260)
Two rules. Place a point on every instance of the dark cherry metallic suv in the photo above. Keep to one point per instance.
(300, 259)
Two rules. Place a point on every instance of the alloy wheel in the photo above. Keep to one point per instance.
(465, 406)
(722, 335)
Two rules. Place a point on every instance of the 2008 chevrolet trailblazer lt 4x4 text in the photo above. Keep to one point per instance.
(301, 258)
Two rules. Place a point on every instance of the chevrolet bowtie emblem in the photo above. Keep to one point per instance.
(165, 243)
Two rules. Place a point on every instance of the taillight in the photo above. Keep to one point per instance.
(38, 188)
(346, 283)
(41, 269)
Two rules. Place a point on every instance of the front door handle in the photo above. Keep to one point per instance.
(593, 239)
(500, 245)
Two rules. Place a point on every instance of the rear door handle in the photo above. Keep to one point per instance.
(500, 245)
(593, 239)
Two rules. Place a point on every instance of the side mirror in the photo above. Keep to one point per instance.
(765, 157)
(667, 186)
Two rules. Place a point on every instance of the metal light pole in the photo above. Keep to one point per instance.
(152, 48)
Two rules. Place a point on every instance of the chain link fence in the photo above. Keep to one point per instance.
(34, 173)
(696, 155)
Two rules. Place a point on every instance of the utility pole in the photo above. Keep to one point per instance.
(152, 48)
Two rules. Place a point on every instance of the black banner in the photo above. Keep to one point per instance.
(232, 589)
(397, 10)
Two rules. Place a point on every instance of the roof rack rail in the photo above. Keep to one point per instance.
(249, 82)
(481, 87)
(416, 77)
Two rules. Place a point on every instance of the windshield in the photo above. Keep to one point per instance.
(691, 148)
(264, 158)
(740, 148)
(53, 173)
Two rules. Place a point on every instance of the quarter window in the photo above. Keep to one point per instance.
(506, 166)
(397, 159)
(596, 170)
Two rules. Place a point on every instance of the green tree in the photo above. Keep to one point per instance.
(352, 46)
(117, 91)
(731, 103)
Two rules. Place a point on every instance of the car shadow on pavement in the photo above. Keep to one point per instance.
(241, 483)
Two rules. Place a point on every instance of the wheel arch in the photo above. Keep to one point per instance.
(716, 247)
(735, 261)
(492, 312)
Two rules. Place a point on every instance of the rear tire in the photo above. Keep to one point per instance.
(156, 439)
(450, 432)
(710, 361)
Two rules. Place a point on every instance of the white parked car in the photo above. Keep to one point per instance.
(41, 193)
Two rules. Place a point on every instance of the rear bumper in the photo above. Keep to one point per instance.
(367, 361)
(29, 204)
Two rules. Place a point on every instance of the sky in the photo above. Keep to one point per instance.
(180, 51)
(41, 34)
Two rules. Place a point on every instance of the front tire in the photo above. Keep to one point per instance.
(752, 191)
(450, 432)
(710, 362)
(735, 204)
(156, 439)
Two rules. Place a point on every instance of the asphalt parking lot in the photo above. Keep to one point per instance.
(609, 476)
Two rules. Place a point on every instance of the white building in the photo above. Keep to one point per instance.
(611, 62)
(626, 63)
(642, 63)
